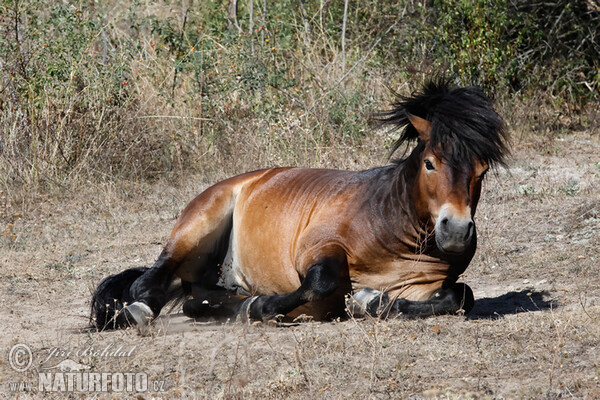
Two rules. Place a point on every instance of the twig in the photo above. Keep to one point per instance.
(263, 23)
(171, 117)
(215, 350)
(232, 16)
(299, 362)
(305, 20)
(363, 58)
(344, 37)
(250, 17)
(583, 307)
(374, 355)
(179, 52)
(237, 350)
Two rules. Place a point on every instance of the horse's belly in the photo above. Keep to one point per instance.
(262, 247)
(261, 262)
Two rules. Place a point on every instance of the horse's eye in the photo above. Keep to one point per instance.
(429, 165)
(482, 174)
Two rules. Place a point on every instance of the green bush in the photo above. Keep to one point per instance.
(518, 46)
(558, 49)
(471, 35)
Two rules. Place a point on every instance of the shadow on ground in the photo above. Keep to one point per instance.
(512, 303)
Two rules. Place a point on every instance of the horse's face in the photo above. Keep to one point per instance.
(446, 196)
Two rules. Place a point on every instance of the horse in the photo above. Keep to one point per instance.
(284, 242)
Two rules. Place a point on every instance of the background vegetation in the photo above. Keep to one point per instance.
(97, 91)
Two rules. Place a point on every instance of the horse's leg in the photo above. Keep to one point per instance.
(447, 300)
(111, 295)
(197, 245)
(150, 292)
(321, 280)
(134, 296)
(213, 304)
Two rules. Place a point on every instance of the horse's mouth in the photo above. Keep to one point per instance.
(453, 253)
(453, 248)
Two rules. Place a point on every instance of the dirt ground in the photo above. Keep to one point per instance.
(534, 332)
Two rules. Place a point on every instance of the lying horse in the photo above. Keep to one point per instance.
(292, 241)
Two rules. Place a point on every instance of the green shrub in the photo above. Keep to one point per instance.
(518, 46)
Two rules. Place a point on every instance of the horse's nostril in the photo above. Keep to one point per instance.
(445, 221)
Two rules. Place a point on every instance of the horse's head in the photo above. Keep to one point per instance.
(446, 193)
(459, 137)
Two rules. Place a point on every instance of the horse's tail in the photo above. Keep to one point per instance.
(113, 295)
(110, 297)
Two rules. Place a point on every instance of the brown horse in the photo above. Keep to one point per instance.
(290, 241)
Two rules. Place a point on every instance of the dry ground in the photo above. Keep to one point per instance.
(535, 331)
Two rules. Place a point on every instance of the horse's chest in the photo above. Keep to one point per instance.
(397, 276)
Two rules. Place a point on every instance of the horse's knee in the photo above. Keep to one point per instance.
(321, 280)
(367, 301)
(265, 307)
(457, 298)
(261, 307)
(151, 289)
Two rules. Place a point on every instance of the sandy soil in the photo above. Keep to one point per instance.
(534, 332)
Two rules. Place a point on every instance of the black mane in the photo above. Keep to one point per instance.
(464, 123)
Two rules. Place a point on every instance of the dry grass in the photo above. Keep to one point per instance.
(137, 94)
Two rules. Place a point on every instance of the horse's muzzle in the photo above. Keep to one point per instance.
(454, 235)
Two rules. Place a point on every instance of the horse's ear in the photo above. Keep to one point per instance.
(422, 126)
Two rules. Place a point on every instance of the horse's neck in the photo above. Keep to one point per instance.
(398, 206)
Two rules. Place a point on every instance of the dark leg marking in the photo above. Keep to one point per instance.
(152, 287)
(321, 280)
(217, 304)
(448, 300)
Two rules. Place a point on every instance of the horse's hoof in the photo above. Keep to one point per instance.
(243, 314)
(135, 314)
(366, 301)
